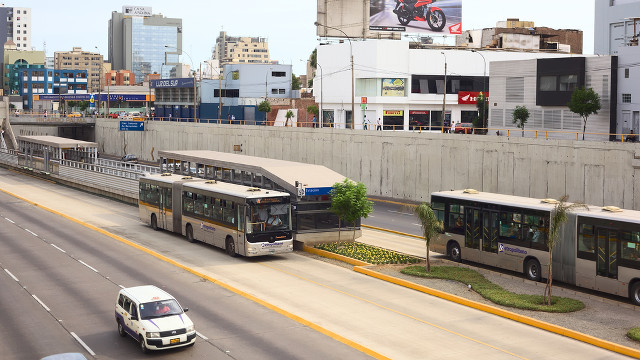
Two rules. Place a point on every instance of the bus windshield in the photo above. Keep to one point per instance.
(269, 217)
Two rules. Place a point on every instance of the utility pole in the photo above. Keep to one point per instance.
(444, 97)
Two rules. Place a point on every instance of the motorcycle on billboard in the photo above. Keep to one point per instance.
(420, 10)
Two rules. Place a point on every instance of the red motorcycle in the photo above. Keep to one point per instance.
(420, 10)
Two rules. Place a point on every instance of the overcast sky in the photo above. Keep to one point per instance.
(287, 24)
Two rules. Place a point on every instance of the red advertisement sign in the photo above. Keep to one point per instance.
(468, 97)
(418, 112)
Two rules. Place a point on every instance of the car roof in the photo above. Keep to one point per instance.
(146, 293)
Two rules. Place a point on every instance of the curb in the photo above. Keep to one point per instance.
(392, 231)
(604, 344)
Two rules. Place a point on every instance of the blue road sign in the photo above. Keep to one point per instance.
(317, 191)
(131, 125)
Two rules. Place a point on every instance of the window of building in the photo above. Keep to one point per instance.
(18, 31)
(626, 73)
(274, 91)
(278, 74)
(568, 82)
(626, 98)
(548, 83)
(281, 91)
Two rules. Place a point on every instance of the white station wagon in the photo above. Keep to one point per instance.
(154, 318)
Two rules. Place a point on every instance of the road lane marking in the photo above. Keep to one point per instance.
(87, 265)
(31, 232)
(58, 248)
(9, 220)
(41, 303)
(399, 212)
(395, 311)
(417, 224)
(12, 276)
(202, 336)
(83, 344)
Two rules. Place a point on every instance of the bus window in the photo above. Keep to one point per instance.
(536, 229)
(456, 219)
(198, 207)
(208, 207)
(217, 210)
(510, 226)
(438, 210)
(187, 202)
(167, 200)
(631, 247)
(586, 240)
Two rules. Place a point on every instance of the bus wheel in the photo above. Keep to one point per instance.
(532, 270)
(454, 252)
(189, 232)
(634, 294)
(230, 247)
(154, 222)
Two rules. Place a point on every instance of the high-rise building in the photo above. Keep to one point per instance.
(81, 60)
(142, 42)
(614, 25)
(241, 50)
(15, 25)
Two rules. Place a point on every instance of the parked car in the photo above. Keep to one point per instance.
(464, 128)
(130, 158)
(74, 114)
(113, 115)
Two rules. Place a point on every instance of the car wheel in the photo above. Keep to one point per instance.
(455, 253)
(154, 222)
(634, 293)
(143, 346)
(189, 232)
(121, 331)
(230, 247)
(532, 270)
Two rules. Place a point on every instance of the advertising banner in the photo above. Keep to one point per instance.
(172, 83)
(393, 87)
(416, 16)
(393, 113)
(469, 97)
(141, 11)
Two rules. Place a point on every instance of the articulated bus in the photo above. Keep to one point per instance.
(598, 248)
(239, 219)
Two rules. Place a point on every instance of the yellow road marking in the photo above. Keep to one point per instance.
(228, 287)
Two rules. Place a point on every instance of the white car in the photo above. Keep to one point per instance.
(154, 318)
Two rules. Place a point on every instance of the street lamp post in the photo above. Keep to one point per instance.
(321, 119)
(444, 97)
(99, 82)
(353, 115)
(484, 90)
(194, 81)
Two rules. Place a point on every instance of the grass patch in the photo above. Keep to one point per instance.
(634, 334)
(493, 292)
(367, 253)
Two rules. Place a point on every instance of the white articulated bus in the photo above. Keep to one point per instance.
(598, 248)
(240, 219)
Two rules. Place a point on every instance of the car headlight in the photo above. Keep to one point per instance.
(190, 328)
(151, 335)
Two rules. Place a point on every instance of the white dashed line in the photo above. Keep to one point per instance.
(58, 248)
(30, 232)
(202, 336)
(417, 224)
(87, 265)
(41, 303)
(12, 276)
(9, 220)
(398, 212)
(83, 344)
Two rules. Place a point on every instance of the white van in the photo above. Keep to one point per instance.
(154, 318)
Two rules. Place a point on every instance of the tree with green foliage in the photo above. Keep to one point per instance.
(295, 82)
(520, 117)
(312, 109)
(349, 202)
(288, 115)
(558, 219)
(314, 58)
(431, 226)
(83, 105)
(265, 107)
(480, 121)
(584, 102)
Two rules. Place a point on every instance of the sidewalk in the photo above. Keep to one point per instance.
(602, 317)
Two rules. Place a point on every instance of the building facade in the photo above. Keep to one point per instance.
(120, 78)
(142, 42)
(43, 81)
(241, 50)
(15, 25)
(614, 25)
(82, 60)
(13, 62)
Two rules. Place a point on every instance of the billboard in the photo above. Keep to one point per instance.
(469, 97)
(416, 16)
(136, 10)
(393, 87)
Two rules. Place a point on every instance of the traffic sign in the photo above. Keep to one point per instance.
(126, 125)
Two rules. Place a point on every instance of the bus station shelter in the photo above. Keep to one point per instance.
(309, 185)
(43, 149)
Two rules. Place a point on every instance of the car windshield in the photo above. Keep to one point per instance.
(161, 308)
(268, 217)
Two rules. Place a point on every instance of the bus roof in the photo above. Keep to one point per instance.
(242, 191)
(599, 212)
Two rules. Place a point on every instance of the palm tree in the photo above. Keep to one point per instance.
(558, 219)
(431, 226)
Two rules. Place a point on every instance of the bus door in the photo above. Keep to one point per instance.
(607, 260)
(241, 239)
(490, 231)
(473, 233)
(162, 208)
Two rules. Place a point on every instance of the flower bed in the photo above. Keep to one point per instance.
(367, 253)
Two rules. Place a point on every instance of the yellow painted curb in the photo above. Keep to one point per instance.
(392, 231)
(228, 287)
(621, 349)
(331, 255)
(391, 202)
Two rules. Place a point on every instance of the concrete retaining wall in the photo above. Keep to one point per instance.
(406, 165)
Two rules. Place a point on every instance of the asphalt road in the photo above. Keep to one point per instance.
(394, 216)
(363, 312)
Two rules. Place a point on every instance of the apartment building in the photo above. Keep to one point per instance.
(241, 50)
(77, 59)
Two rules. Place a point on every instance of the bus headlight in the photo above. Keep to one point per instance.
(151, 335)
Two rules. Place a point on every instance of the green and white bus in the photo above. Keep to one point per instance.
(598, 248)
(240, 219)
